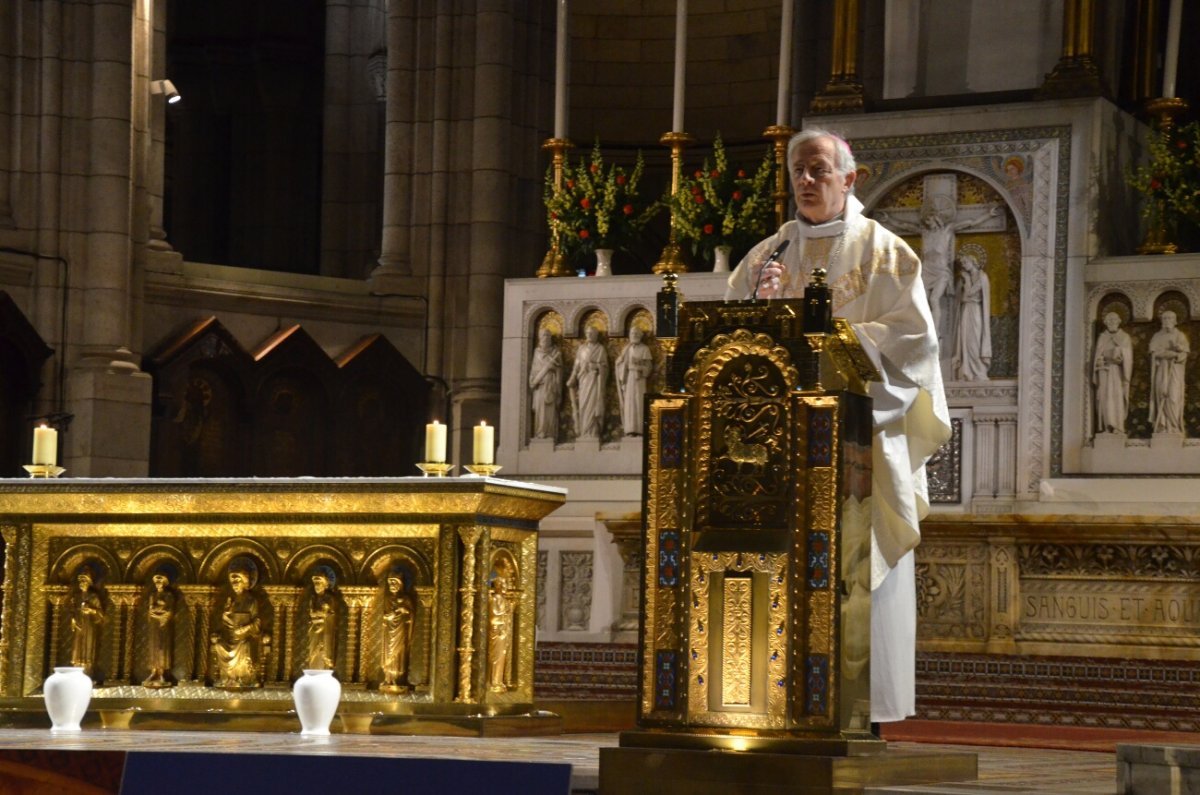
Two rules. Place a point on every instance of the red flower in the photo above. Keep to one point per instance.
(554, 215)
(1181, 144)
(583, 234)
(737, 195)
(1155, 184)
(699, 199)
(570, 183)
(620, 179)
(593, 168)
(585, 202)
(741, 173)
(708, 229)
(627, 209)
(715, 173)
(698, 174)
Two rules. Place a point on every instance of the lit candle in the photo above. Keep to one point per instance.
(680, 63)
(45, 446)
(785, 64)
(1171, 58)
(485, 443)
(435, 443)
(560, 72)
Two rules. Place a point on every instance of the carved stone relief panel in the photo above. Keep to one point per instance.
(575, 591)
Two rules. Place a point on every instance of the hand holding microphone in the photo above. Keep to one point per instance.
(776, 272)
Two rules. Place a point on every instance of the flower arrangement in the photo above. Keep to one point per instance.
(722, 206)
(1171, 180)
(598, 206)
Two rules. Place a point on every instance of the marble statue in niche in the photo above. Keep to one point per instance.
(1169, 349)
(587, 382)
(973, 345)
(634, 366)
(398, 615)
(545, 386)
(162, 601)
(321, 606)
(1112, 367)
(938, 228)
(503, 598)
(237, 629)
(86, 607)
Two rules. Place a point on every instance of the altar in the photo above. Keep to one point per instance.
(197, 603)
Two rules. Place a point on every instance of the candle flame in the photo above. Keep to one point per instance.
(482, 423)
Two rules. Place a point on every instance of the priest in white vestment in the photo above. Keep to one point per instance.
(875, 281)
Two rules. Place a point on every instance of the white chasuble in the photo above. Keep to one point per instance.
(875, 282)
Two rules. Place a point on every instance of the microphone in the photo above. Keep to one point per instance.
(775, 255)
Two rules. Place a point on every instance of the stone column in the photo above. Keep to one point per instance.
(8, 23)
(395, 261)
(626, 531)
(106, 391)
(350, 214)
(158, 247)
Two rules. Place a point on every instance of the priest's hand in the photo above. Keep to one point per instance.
(770, 281)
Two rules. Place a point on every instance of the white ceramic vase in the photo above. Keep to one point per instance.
(604, 261)
(316, 696)
(67, 692)
(721, 259)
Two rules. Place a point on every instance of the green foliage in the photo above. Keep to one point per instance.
(1171, 180)
(720, 205)
(598, 206)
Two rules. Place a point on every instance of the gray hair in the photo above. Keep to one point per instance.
(843, 159)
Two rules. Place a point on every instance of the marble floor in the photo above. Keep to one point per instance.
(1001, 770)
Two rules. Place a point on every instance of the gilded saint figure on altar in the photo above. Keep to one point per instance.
(503, 598)
(322, 608)
(238, 632)
(161, 602)
(87, 618)
(397, 616)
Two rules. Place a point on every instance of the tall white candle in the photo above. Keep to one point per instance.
(485, 444)
(45, 446)
(1171, 59)
(561, 65)
(680, 63)
(435, 443)
(785, 64)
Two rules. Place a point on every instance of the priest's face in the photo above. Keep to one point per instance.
(819, 188)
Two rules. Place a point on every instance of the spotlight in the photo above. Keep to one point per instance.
(166, 88)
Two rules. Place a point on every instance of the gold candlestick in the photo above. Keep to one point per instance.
(482, 470)
(1162, 111)
(435, 469)
(780, 134)
(671, 259)
(554, 264)
(44, 470)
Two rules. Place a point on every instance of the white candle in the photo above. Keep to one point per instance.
(485, 444)
(45, 446)
(785, 64)
(1171, 59)
(680, 63)
(561, 66)
(435, 443)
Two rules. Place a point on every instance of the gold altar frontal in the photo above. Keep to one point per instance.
(754, 648)
(197, 603)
